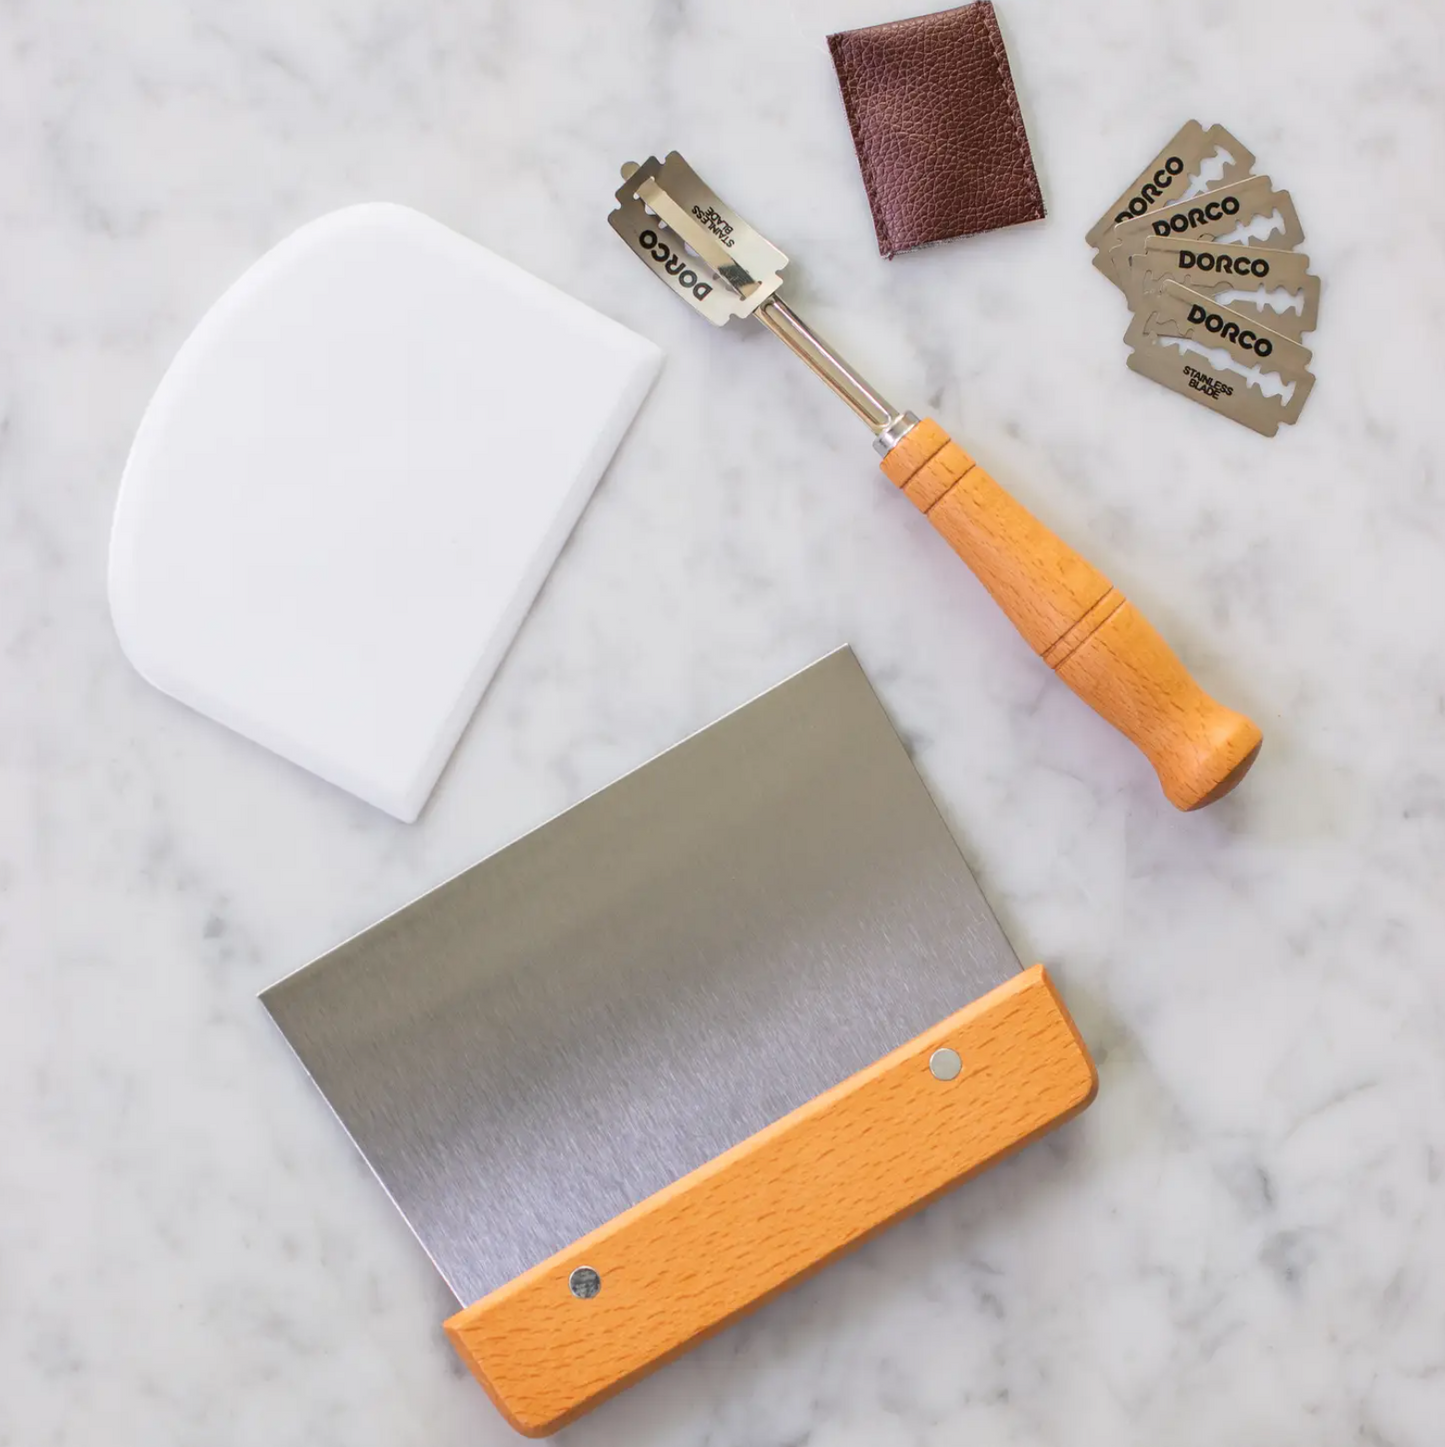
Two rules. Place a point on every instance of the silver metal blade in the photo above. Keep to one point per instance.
(723, 268)
(690, 239)
(650, 978)
(1209, 329)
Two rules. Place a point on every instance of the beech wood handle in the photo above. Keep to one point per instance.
(717, 1243)
(1078, 622)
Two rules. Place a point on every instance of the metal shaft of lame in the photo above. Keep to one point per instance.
(785, 324)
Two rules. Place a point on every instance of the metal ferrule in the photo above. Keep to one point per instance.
(894, 433)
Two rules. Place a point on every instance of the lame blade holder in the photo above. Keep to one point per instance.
(1074, 618)
(690, 240)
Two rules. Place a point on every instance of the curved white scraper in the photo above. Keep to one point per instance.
(350, 485)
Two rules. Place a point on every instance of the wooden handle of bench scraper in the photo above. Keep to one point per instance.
(1077, 622)
(693, 1257)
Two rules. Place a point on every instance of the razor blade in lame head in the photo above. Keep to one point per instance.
(698, 246)
(704, 252)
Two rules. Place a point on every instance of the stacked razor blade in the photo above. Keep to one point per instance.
(1216, 318)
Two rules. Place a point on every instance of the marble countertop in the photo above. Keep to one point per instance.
(1244, 1239)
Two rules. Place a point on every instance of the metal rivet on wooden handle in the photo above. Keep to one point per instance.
(722, 1240)
(1078, 622)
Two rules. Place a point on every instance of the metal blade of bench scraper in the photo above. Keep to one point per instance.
(656, 974)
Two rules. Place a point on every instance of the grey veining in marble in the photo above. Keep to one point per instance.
(1243, 1241)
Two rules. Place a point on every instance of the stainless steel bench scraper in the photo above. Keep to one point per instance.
(660, 1059)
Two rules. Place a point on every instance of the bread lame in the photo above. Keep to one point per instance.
(672, 1052)
(1069, 612)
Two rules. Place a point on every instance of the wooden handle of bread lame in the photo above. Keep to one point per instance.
(717, 1243)
(1077, 622)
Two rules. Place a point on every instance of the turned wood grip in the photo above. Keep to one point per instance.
(717, 1243)
(1078, 622)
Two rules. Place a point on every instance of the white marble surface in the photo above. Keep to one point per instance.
(1244, 1240)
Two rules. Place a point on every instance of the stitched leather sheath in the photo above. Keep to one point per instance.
(936, 125)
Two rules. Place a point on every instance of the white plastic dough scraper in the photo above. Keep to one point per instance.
(351, 483)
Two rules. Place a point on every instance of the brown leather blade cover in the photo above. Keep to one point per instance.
(937, 128)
